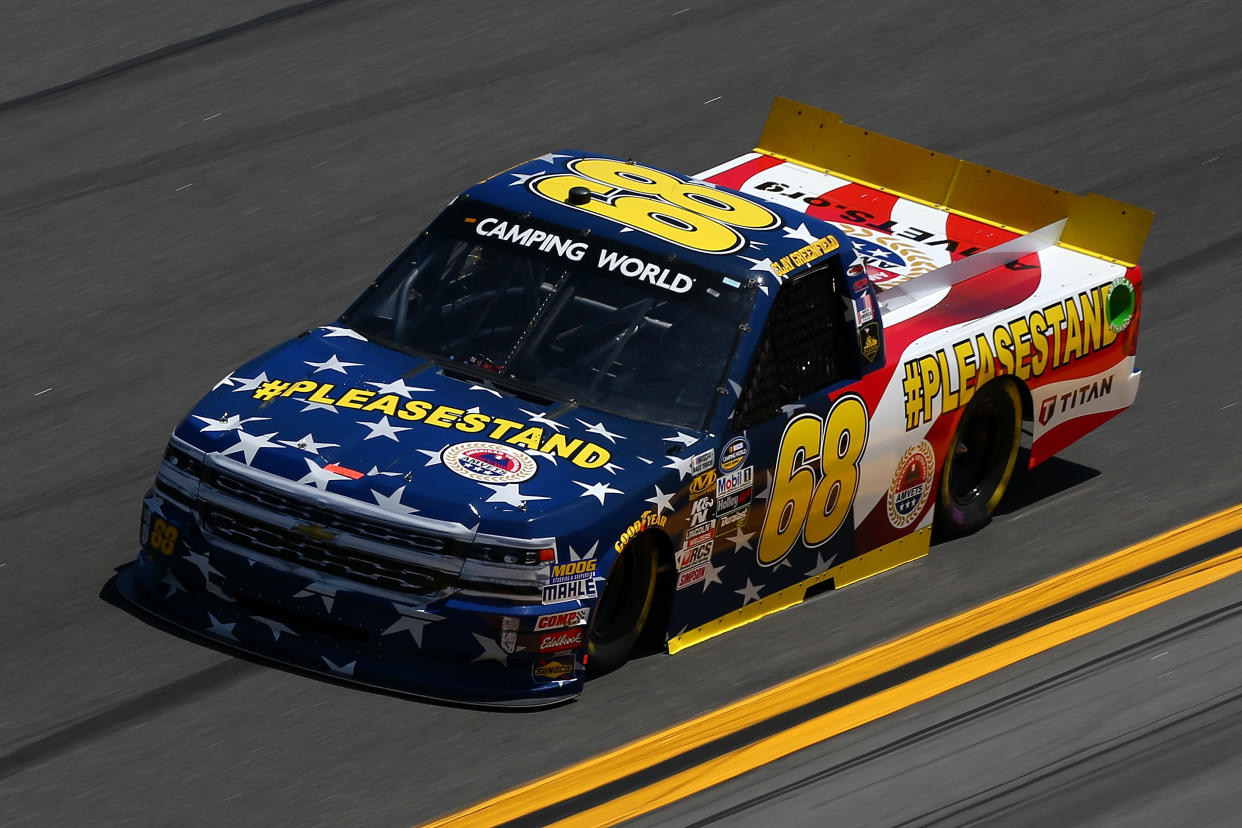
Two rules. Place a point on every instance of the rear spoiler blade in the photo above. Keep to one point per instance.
(949, 275)
(818, 139)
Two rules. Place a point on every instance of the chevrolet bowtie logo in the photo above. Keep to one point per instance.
(315, 532)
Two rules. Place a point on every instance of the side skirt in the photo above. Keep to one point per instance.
(891, 555)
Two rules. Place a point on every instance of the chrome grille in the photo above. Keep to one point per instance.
(334, 521)
(323, 555)
(334, 543)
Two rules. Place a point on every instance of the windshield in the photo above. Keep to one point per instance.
(559, 313)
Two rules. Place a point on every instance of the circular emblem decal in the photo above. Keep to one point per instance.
(889, 260)
(912, 485)
(1120, 304)
(734, 454)
(489, 462)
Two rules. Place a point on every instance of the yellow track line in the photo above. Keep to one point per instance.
(673, 741)
(696, 779)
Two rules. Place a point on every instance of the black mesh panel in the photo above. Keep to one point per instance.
(801, 350)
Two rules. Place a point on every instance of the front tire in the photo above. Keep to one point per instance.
(980, 460)
(623, 607)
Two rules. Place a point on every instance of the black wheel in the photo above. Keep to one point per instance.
(980, 460)
(623, 607)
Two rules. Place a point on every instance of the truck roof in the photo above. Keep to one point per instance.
(644, 207)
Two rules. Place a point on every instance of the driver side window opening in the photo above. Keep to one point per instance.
(808, 344)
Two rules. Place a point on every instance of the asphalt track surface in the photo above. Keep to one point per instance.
(183, 186)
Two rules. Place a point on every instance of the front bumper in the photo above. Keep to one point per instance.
(450, 649)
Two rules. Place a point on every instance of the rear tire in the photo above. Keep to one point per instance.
(623, 607)
(980, 460)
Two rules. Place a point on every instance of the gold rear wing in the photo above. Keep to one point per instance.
(818, 139)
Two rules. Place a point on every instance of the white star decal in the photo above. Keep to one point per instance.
(759, 264)
(215, 590)
(336, 330)
(397, 386)
(327, 595)
(711, 575)
(612, 468)
(661, 501)
(820, 565)
(645, 460)
(340, 669)
(226, 380)
(331, 364)
(375, 470)
(599, 490)
(155, 504)
(203, 563)
(491, 650)
(248, 384)
(274, 627)
(414, 626)
(545, 455)
(486, 388)
(684, 439)
(585, 556)
(225, 423)
(737, 389)
(308, 443)
(758, 244)
(393, 502)
(317, 406)
(173, 584)
(383, 427)
(801, 233)
(550, 157)
(598, 428)
(522, 178)
(741, 540)
(682, 464)
(509, 493)
(791, 409)
(536, 417)
(433, 457)
(249, 445)
(767, 491)
(221, 630)
(749, 593)
(318, 476)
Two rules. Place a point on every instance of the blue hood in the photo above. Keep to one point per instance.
(345, 415)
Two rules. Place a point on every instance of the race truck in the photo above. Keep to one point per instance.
(598, 405)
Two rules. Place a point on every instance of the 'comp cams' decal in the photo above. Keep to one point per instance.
(569, 618)
(489, 462)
